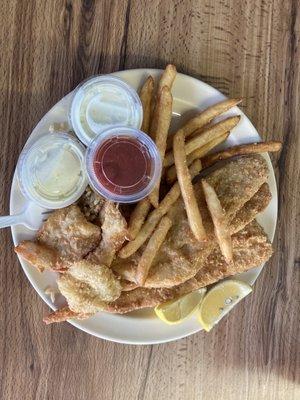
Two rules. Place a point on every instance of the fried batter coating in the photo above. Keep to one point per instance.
(87, 287)
(114, 231)
(39, 255)
(68, 231)
(251, 248)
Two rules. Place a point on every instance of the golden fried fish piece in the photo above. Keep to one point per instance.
(40, 255)
(251, 248)
(87, 287)
(68, 231)
(145, 297)
(114, 231)
(181, 255)
(237, 181)
(64, 238)
(254, 206)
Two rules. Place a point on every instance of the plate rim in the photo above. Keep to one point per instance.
(41, 292)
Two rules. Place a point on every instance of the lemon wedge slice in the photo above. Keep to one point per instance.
(175, 311)
(220, 300)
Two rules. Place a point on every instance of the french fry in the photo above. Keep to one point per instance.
(159, 130)
(146, 99)
(144, 233)
(250, 148)
(138, 217)
(155, 241)
(205, 117)
(155, 216)
(171, 175)
(167, 78)
(186, 187)
(204, 137)
(218, 216)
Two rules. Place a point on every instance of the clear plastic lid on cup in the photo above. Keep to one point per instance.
(103, 102)
(123, 164)
(51, 170)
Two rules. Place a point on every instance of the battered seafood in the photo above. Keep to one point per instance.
(182, 264)
(102, 265)
(87, 287)
(250, 248)
(181, 255)
(68, 231)
(114, 231)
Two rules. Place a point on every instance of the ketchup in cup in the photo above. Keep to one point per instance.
(123, 164)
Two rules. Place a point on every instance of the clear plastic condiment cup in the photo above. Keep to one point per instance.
(102, 102)
(51, 170)
(123, 164)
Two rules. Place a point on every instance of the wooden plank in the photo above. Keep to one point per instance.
(247, 48)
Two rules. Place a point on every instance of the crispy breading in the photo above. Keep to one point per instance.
(87, 287)
(127, 286)
(63, 315)
(91, 203)
(68, 231)
(251, 248)
(181, 255)
(254, 206)
(244, 176)
(144, 297)
(127, 268)
(114, 232)
(40, 256)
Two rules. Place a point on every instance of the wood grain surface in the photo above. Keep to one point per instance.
(247, 48)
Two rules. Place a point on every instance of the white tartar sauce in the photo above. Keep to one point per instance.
(52, 172)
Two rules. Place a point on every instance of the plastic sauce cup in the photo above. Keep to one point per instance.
(123, 164)
(51, 170)
(102, 102)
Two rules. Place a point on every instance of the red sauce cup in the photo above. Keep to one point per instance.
(123, 164)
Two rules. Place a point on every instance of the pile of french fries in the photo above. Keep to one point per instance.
(183, 156)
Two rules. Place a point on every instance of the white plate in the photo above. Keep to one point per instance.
(142, 327)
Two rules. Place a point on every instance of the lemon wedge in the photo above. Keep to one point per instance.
(175, 311)
(220, 300)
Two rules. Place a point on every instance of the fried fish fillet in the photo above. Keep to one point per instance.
(243, 177)
(114, 231)
(64, 238)
(40, 255)
(251, 248)
(126, 268)
(87, 287)
(68, 231)
(145, 297)
(260, 200)
(181, 255)
(254, 206)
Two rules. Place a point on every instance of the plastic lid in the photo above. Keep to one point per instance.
(123, 164)
(103, 102)
(51, 171)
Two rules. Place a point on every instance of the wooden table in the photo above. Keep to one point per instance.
(247, 48)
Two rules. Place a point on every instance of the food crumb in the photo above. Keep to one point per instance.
(51, 292)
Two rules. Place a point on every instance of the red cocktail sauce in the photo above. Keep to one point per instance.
(122, 165)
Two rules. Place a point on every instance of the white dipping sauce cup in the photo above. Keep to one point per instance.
(102, 102)
(51, 170)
